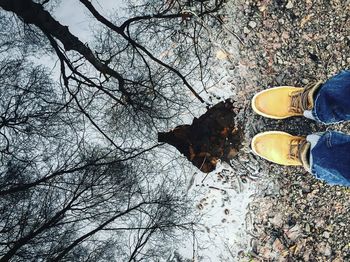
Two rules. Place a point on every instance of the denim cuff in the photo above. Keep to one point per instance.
(309, 114)
(313, 139)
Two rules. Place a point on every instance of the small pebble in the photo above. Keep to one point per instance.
(326, 234)
(252, 24)
(289, 5)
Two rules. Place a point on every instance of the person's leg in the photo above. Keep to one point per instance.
(325, 155)
(330, 158)
(328, 102)
(332, 100)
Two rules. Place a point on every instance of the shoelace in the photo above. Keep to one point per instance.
(295, 148)
(299, 99)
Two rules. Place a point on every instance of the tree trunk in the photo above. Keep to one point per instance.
(35, 14)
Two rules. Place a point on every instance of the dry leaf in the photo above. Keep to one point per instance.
(222, 55)
(305, 20)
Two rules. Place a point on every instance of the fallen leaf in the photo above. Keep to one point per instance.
(305, 20)
(222, 55)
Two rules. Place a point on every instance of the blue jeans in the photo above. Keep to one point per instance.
(332, 101)
(330, 151)
(330, 158)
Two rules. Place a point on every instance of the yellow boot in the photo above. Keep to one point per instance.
(282, 148)
(284, 101)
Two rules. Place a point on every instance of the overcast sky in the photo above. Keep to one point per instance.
(74, 15)
(221, 235)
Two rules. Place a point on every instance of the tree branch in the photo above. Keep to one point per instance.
(33, 13)
(118, 30)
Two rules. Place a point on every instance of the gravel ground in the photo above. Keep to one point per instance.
(295, 217)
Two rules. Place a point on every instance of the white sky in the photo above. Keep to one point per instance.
(223, 237)
(73, 14)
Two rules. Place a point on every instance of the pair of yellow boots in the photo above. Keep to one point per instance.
(279, 103)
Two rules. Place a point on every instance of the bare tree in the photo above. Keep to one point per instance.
(79, 179)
